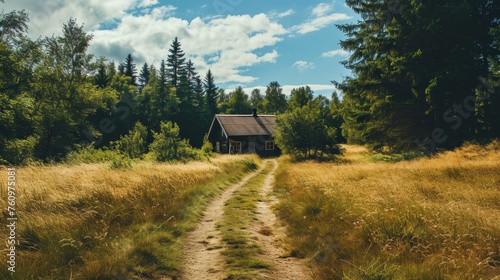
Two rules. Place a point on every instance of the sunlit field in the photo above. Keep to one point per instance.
(432, 218)
(88, 221)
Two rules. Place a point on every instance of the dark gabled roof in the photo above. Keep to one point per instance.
(246, 125)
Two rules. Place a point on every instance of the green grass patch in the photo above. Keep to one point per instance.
(241, 253)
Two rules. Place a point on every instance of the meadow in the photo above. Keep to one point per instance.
(88, 221)
(365, 218)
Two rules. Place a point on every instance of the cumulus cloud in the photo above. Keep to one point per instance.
(321, 18)
(338, 52)
(147, 3)
(226, 45)
(47, 17)
(303, 65)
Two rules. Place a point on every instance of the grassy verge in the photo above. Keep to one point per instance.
(423, 219)
(89, 222)
(241, 253)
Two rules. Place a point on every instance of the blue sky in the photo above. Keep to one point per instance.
(244, 43)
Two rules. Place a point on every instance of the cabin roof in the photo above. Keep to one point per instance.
(246, 125)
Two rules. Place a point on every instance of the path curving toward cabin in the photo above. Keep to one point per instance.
(203, 246)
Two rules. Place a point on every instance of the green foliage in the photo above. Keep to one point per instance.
(413, 74)
(275, 100)
(238, 102)
(300, 97)
(396, 157)
(211, 94)
(207, 148)
(303, 133)
(168, 146)
(134, 143)
(89, 154)
(120, 161)
(19, 151)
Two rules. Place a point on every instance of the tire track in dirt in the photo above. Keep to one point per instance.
(269, 234)
(202, 259)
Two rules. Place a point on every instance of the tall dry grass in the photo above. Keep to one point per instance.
(88, 221)
(432, 218)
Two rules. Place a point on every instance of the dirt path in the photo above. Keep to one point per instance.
(270, 234)
(202, 259)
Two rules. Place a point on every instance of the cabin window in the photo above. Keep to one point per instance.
(217, 147)
(269, 145)
(235, 147)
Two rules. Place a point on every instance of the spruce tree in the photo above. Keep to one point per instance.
(175, 62)
(413, 73)
(130, 70)
(144, 75)
(102, 79)
(211, 95)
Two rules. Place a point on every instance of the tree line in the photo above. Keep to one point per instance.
(425, 77)
(57, 100)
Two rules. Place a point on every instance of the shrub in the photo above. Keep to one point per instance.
(134, 143)
(89, 154)
(168, 146)
(19, 151)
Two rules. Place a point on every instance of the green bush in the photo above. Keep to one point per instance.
(134, 144)
(89, 154)
(19, 151)
(168, 146)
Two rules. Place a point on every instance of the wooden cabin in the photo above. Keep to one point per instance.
(242, 134)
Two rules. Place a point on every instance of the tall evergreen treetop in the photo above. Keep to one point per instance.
(175, 62)
(144, 75)
(211, 94)
(130, 69)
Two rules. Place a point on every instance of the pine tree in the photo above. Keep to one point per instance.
(211, 95)
(102, 79)
(130, 70)
(175, 62)
(144, 75)
(412, 73)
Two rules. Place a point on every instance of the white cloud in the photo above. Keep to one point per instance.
(319, 23)
(321, 18)
(225, 45)
(322, 9)
(285, 13)
(147, 3)
(47, 17)
(339, 52)
(303, 65)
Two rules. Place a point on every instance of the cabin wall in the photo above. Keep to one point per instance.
(262, 145)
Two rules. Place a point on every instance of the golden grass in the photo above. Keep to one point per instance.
(88, 221)
(432, 218)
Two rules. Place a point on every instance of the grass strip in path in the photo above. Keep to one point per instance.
(241, 253)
